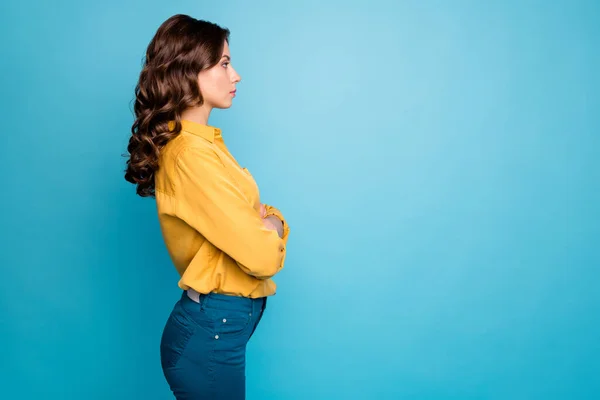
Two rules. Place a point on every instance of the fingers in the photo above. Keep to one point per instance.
(263, 211)
(269, 225)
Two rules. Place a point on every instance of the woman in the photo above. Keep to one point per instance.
(225, 244)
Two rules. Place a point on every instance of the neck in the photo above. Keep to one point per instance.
(197, 114)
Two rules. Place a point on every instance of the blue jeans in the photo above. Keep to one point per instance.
(203, 346)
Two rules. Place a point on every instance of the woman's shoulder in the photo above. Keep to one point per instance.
(183, 144)
(181, 153)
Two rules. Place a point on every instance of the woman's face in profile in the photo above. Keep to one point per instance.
(217, 84)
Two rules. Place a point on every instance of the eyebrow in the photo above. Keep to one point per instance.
(227, 57)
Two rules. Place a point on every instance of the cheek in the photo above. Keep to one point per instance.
(212, 83)
(215, 86)
(220, 77)
(225, 82)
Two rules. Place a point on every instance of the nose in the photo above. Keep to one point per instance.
(236, 77)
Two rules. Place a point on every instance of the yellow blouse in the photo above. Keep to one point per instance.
(209, 213)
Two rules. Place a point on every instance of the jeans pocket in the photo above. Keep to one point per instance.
(175, 337)
(230, 323)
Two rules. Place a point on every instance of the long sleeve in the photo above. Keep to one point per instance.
(274, 211)
(209, 201)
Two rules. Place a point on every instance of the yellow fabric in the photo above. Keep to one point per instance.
(209, 213)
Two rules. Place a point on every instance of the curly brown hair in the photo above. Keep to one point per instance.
(168, 85)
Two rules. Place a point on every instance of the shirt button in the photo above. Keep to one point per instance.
(250, 314)
(217, 337)
(224, 320)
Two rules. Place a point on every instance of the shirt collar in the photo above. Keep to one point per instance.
(207, 132)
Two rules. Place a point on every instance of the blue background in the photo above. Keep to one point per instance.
(438, 163)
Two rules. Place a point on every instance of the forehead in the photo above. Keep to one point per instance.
(225, 49)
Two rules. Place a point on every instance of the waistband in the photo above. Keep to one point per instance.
(224, 301)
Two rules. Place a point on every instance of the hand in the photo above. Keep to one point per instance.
(274, 223)
(271, 222)
(263, 211)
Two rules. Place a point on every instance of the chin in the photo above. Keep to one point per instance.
(224, 105)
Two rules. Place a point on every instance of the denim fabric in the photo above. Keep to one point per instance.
(203, 346)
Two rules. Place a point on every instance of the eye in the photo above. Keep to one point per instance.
(225, 64)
